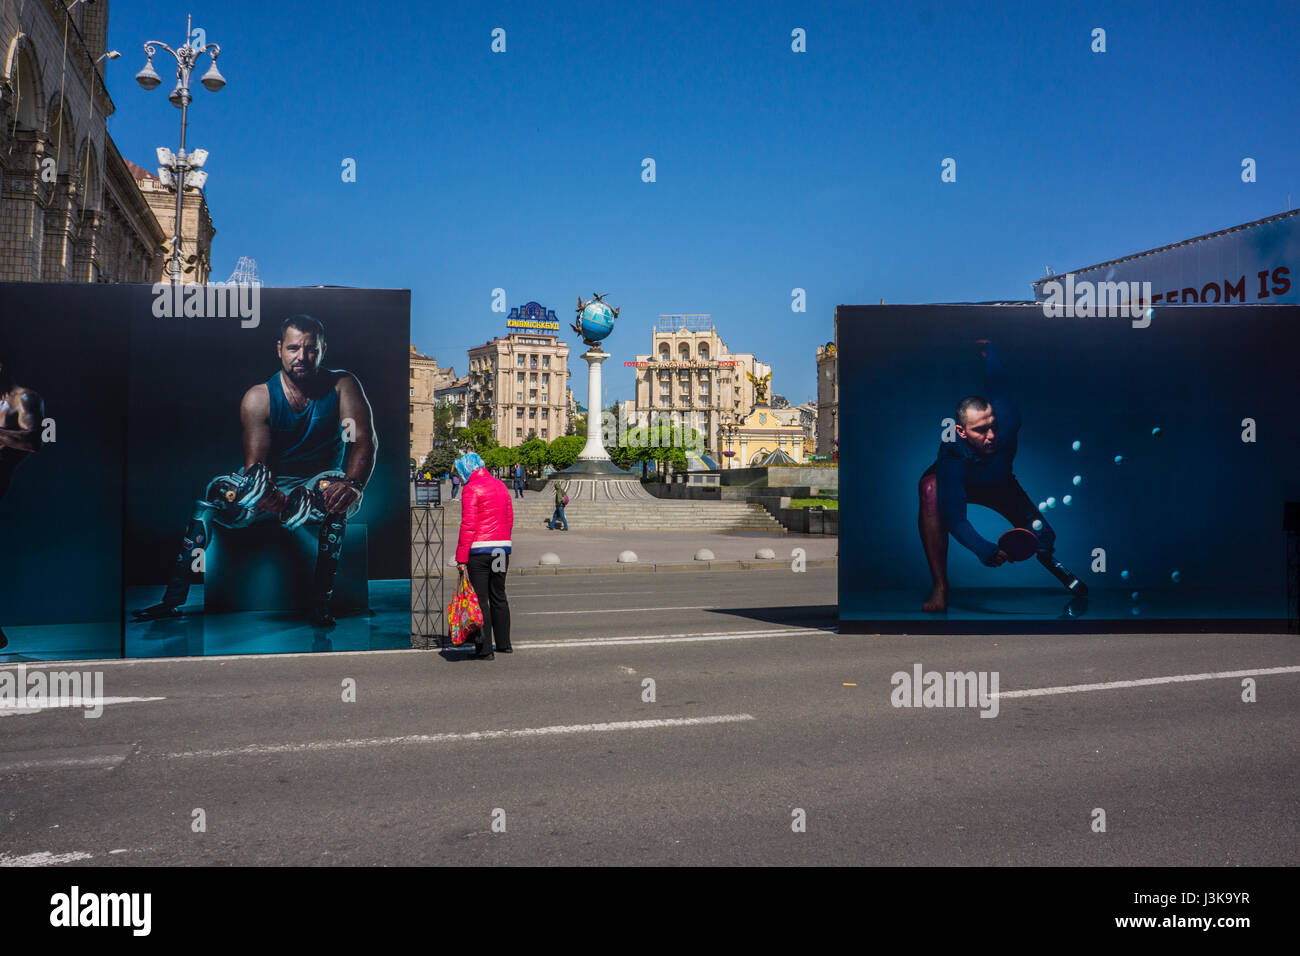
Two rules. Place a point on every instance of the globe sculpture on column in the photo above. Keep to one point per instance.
(594, 323)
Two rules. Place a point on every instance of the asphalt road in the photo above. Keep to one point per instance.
(760, 710)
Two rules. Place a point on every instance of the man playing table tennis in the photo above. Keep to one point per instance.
(976, 469)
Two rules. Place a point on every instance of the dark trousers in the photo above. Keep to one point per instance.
(519, 489)
(1013, 503)
(490, 588)
(557, 518)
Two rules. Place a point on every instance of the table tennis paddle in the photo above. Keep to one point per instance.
(1018, 544)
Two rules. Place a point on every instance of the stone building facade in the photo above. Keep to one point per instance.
(196, 223)
(828, 396)
(520, 382)
(70, 209)
(426, 380)
(692, 378)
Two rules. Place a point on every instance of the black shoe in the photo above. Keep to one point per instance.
(489, 656)
(500, 650)
(156, 613)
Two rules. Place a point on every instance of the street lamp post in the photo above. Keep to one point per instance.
(186, 168)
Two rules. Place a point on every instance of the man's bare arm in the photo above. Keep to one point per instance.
(353, 405)
(27, 436)
(255, 414)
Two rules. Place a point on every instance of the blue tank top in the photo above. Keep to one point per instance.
(305, 443)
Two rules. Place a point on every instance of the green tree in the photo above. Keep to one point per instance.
(439, 461)
(577, 426)
(480, 435)
(533, 454)
(564, 451)
(500, 457)
(444, 415)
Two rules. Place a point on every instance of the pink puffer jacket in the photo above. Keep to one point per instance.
(487, 516)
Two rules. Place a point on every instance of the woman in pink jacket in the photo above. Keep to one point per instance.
(487, 517)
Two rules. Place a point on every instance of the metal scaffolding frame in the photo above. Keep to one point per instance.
(428, 597)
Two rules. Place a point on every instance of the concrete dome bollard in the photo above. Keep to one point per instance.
(765, 554)
(550, 557)
(704, 554)
(627, 557)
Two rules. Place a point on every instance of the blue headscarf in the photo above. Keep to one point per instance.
(467, 464)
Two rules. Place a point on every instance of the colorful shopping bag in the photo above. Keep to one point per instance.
(464, 616)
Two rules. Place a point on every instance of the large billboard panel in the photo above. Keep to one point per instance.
(1151, 464)
(198, 470)
(1257, 263)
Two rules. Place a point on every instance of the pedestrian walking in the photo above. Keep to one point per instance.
(455, 482)
(519, 480)
(561, 499)
(487, 517)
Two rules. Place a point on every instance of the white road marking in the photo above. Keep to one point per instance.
(8, 709)
(1146, 682)
(618, 610)
(673, 638)
(257, 750)
(44, 858)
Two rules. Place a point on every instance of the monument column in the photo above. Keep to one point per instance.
(594, 450)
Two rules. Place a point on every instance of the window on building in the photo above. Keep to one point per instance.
(413, 393)
(544, 432)
(684, 352)
(544, 399)
(664, 352)
(532, 413)
(704, 351)
(519, 433)
(546, 378)
(519, 413)
(546, 361)
(519, 360)
(545, 414)
(519, 378)
(532, 378)
(663, 401)
(519, 396)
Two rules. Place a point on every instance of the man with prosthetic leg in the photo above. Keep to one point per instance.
(309, 449)
(976, 469)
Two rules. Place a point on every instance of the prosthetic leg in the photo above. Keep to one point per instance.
(1063, 574)
(230, 499)
(1013, 503)
(307, 504)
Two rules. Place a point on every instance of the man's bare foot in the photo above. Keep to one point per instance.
(937, 601)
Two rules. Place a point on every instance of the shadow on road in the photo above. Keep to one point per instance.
(808, 615)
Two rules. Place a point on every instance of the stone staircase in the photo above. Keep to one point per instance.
(636, 514)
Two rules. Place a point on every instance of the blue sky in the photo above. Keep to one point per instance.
(775, 170)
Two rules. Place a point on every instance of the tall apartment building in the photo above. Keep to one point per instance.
(520, 382)
(691, 377)
(456, 394)
(426, 380)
